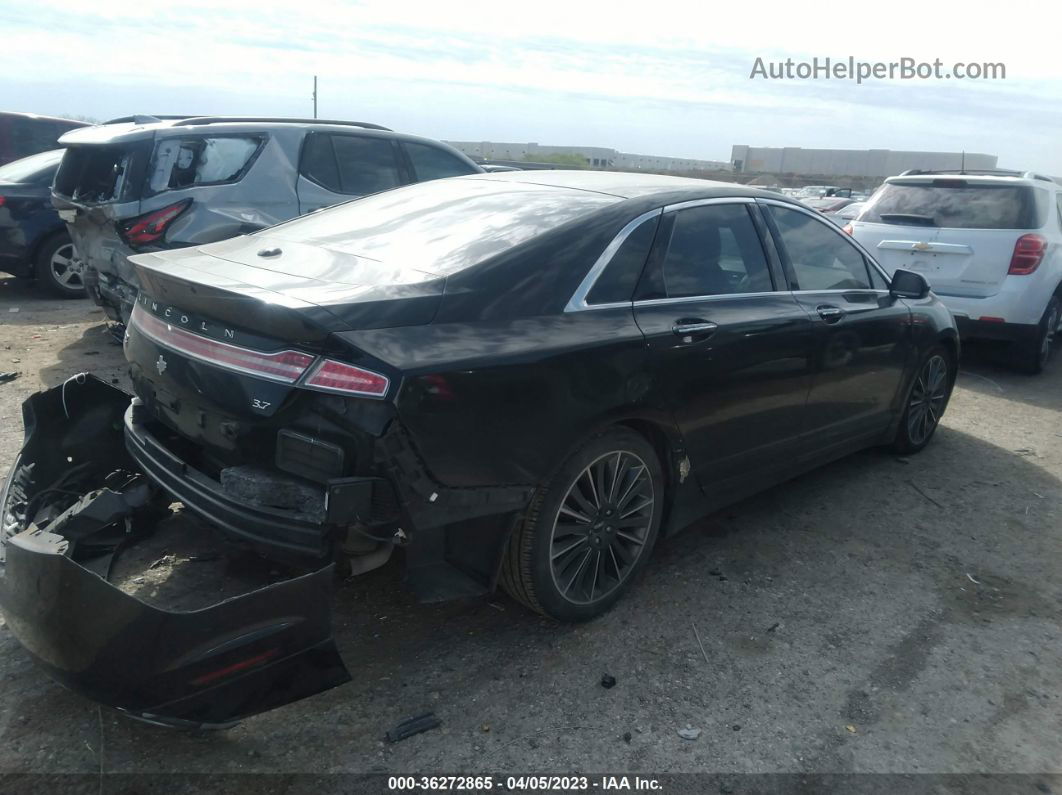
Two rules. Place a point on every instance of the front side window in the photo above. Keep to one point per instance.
(431, 162)
(820, 257)
(184, 162)
(714, 250)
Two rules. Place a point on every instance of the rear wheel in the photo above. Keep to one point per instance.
(589, 531)
(926, 401)
(59, 269)
(1033, 355)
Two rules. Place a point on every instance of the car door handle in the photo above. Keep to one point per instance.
(831, 314)
(689, 327)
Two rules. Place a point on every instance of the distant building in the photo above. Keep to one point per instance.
(849, 162)
(595, 156)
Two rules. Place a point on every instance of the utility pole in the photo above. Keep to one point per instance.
(315, 96)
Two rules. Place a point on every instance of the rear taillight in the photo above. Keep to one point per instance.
(283, 366)
(150, 228)
(1029, 252)
(2, 200)
(847, 229)
(333, 376)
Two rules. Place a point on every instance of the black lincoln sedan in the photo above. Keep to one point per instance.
(522, 378)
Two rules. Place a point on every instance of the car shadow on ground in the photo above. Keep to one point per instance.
(842, 589)
(34, 305)
(986, 368)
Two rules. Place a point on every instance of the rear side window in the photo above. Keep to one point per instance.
(958, 204)
(351, 164)
(184, 162)
(366, 165)
(431, 162)
(820, 257)
(713, 250)
(616, 284)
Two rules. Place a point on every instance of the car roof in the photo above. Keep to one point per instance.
(140, 127)
(39, 117)
(974, 178)
(626, 185)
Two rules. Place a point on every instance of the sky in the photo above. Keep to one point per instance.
(662, 78)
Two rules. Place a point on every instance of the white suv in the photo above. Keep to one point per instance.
(988, 242)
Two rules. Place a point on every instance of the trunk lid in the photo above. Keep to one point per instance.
(959, 232)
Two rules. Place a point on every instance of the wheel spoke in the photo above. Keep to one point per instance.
(629, 537)
(582, 518)
(646, 504)
(616, 469)
(578, 570)
(573, 546)
(629, 492)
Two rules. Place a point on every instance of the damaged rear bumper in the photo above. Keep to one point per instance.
(206, 667)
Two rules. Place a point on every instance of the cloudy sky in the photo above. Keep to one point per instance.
(662, 77)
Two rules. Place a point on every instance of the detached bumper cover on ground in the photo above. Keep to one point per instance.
(211, 666)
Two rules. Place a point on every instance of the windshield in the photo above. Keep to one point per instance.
(958, 204)
(35, 169)
(445, 225)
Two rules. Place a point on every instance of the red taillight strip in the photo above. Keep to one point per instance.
(284, 366)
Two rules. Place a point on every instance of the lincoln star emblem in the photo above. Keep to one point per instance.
(921, 246)
(160, 365)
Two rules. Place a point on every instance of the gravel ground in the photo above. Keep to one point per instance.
(879, 615)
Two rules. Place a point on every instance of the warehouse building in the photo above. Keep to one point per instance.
(595, 156)
(850, 162)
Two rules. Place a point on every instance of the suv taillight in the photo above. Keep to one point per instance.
(150, 228)
(1029, 252)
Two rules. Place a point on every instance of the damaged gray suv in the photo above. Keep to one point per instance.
(146, 183)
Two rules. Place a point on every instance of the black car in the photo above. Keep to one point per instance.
(34, 242)
(518, 378)
(25, 134)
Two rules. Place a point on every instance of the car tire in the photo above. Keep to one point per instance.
(589, 531)
(59, 270)
(1033, 356)
(926, 400)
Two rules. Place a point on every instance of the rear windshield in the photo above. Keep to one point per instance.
(956, 204)
(445, 226)
(32, 170)
(98, 174)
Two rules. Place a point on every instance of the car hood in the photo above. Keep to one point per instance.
(341, 290)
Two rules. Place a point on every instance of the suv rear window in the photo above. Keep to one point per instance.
(431, 162)
(98, 174)
(200, 160)
(958, 204)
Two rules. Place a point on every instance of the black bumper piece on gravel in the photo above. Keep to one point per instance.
(207, 667)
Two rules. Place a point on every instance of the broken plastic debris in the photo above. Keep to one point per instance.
(5, 377)
(689, 733)
(850, 728)
(608, 681)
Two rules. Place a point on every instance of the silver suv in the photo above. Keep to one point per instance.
(146, 183)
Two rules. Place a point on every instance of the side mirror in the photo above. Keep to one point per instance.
(908, 284)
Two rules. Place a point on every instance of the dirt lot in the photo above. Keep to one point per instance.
(878, 615)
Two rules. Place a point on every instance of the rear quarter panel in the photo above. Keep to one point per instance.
(500, 402)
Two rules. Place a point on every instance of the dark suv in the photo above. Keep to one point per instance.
(25, 134)
(145, 183)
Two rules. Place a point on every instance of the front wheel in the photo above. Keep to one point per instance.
(589, 531)
(926, 401)
(59, 269)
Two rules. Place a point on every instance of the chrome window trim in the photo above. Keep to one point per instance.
(670, 208)
(577, 303)
(715, 297)
(830, 225)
